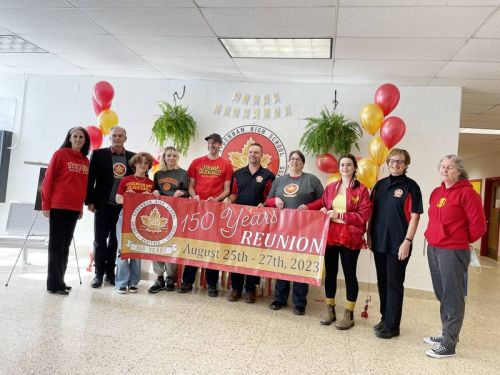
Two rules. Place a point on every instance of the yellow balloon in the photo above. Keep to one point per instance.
(371, 117)
(333, 177)
(107, 119)
(378, 150)
(367, 172)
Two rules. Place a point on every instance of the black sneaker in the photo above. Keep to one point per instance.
(121, 290)
(185, 288)
(170, 286)
(299, 310)
(212, 291)
(276, 305)
(434, 339)
(440, 351)
(96, 282)
(379, 325)
(157, 286)
(133, 289)
(387, 333)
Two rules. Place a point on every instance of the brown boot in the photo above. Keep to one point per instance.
(234, 296)
(329, 316)
(347, 320)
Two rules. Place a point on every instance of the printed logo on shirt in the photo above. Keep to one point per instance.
(236, 143)
(138, 186)
(209, 171)
(441, 202)
(167, 182)
(119, 170)
(259, 179)
(398, 193)
(290, 190)
(154, 222)
(78, 168)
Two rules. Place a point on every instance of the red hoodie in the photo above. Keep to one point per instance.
(65, 182)
(456, 216)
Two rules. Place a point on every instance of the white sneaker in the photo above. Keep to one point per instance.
(122, 290)
(440, 351)
(132, 289)
(434, 339)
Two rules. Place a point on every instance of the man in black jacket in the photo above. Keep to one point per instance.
(107, 167)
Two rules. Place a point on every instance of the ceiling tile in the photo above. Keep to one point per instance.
(150, 21)
(480, 50)
(374, 68)
(176, 47)
(47, 70)
(252, 67)
(74, 43)
(491, 28)
(296, 78)
(403, 81)
(125, 73)
(272, 22)
(7, 69)
(494, 110)
(480, 98)
(33, 60)
(132, 3)
(46, 20)
(107, 61)
(265, 3)
(417, 22)
(419, 3)
(396, 48)
(34, 4)
(472, 70)
(175, 65)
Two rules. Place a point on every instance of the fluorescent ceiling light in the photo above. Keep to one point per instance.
(479, 131)
(278, 48)
(15, 44)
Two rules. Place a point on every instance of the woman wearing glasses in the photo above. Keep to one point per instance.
(301, 191)
(397, 205)
(456, 218)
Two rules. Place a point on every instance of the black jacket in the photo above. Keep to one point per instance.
(101, 177)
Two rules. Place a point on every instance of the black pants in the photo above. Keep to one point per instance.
(189, 275)
(390, 280)
(299, 294)
(105, 243)
(62, 225)
(251, 282)
(349, 259)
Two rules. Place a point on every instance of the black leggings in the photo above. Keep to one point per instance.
(349, 259)
(61, 228)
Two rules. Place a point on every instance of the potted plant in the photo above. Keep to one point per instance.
(176, 124)
(330, 130)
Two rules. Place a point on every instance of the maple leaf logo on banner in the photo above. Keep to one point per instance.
(240, 159)
(153, 222)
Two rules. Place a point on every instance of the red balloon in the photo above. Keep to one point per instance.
(327, 163)
(95, 135)
(99, 108)
(392, 130)
(104, 92)
(387, 97)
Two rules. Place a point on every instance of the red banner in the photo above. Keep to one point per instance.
(279, 244)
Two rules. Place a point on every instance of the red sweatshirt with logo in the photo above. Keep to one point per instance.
(65, 182)
(456, 216)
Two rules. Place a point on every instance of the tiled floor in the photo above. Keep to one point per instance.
(101, 332)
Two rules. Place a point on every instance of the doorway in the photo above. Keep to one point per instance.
(489, 242)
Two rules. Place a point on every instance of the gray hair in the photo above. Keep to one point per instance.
(118, 128)
(459, 163)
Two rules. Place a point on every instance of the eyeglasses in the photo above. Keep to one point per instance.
(396, 161)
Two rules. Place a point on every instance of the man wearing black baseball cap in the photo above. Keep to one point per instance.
(209, 180)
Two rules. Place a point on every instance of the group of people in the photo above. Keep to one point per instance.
(388, 215)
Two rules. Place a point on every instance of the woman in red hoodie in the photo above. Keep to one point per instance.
(456, 219)
(63, 193)
(347, 202)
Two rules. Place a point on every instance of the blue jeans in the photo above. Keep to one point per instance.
(128, 271)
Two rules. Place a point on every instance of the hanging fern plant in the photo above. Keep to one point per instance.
(176, 124)
(331, 130)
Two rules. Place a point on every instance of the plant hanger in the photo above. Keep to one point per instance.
(335, 102)
(176, 94)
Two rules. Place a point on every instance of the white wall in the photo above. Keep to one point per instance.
(56, 103)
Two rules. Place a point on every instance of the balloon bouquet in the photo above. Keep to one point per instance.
(392, 130)
(106, 118)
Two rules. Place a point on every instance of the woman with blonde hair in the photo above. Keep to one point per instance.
(172, 181)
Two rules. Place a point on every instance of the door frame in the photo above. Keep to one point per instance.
(486, 204)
